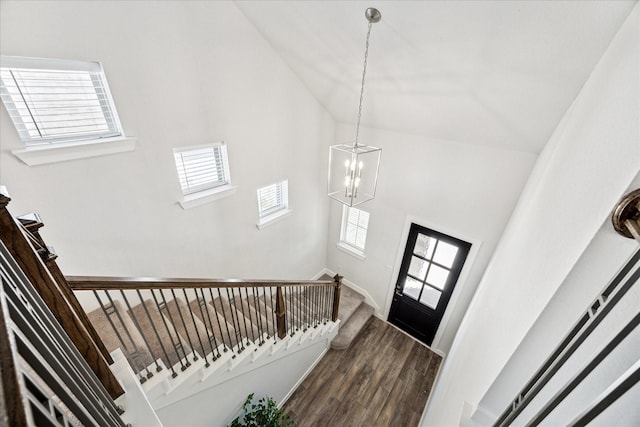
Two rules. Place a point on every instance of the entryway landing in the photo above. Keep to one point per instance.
(383, 379)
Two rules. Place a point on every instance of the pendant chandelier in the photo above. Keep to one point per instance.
(353, 168)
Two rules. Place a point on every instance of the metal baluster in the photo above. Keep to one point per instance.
(292, 310)
(226, 324)
(296, 301)
(177, 345)
(327, 315)
(320, 302)
(309, 308)
(312, 303)
(144, 338)
(256, 304)
(195, 327)
(244, 318)
(242, 303)
(201, 304)
(326, 305)
(273, 313)
(316, 310)
(186, 330)
(135, 354)
(300, 317)
(236, 322)
(288, 313)
(107, 313)
(294, 307)
(305, 306)
(153, 326)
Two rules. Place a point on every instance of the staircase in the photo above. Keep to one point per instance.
(353, 315)
(149, 345)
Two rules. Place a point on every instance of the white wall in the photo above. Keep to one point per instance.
(219, 405)
(603, 258)
(584, 169)
(181, 73)
(462, 189)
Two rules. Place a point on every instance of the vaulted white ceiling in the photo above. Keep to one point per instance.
(498, 73)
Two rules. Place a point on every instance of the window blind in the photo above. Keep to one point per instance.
(272, 198)
(57, 105)
(200, 168)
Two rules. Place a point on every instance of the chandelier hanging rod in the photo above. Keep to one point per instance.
(373, 15)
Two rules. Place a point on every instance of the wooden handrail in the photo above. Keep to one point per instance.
(26, 256)
(96, 283)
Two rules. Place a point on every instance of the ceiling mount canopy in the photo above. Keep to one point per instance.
(353, 169)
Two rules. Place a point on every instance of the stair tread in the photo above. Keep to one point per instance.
(164, 337)
(137, 352)
(350, 300)
(222, 331)
(350, 329)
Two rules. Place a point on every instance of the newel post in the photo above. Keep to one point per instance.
(336, 296)
(281, 313)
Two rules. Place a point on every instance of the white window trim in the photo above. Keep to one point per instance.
(273, 218)
(201, 197)
(351, 250)
(85, 147)
(282, 212)
(17, 62)
(62, 152)
(342, 244)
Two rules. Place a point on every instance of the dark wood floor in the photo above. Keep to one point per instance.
(383, 379)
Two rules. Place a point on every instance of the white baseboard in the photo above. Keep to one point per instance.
(355, 287)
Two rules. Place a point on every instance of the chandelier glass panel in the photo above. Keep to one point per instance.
(353, 168)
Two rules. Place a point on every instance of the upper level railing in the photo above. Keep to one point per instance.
(169, 323)
(535, 403)
(45, 380)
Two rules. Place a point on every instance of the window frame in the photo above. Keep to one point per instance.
(51, 149)
(205, 193)
(281, 211)
(344, 244)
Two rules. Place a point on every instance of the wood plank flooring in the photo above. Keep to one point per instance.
(383, 379)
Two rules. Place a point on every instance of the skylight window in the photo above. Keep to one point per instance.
(57, 101)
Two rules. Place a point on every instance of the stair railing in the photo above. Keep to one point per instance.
(164, 322)
(170, 323)
(45, 380)
(37, 263)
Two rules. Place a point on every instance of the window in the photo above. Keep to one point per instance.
(273, 202)
(56, 101)
(203, 171)
(353, 235)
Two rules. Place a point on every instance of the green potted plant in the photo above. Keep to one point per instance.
(264, 413)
